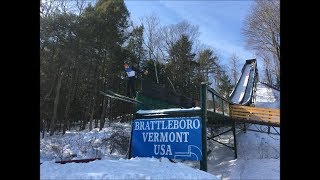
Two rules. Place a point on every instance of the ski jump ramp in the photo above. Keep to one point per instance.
(243, 92)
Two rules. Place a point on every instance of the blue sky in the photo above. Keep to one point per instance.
(219, 22)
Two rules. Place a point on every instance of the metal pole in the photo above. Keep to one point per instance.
(214, 104)
(222, 106)
(130, 141)
(203, 162)
(234, 140)
(130, 145)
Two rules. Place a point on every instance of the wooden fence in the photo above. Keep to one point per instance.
(263, 116)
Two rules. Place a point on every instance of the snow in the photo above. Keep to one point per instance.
(258, 157)
(135, 168)
(113, 165)
(242, 85)
(80, 145)
(267, 97)
(258, 154)
(246, 81)
(163, 111)
(241, 96)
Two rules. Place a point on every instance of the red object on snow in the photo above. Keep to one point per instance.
(78, 160)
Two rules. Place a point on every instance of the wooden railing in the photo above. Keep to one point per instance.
(265, 116)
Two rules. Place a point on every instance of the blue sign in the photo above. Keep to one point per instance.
(173, 138)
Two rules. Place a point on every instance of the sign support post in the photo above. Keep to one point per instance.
(203, 162)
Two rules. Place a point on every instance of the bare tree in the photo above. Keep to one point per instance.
(268, 72)
(56, 102)
(170, 34)
(262, 27)
(262, 32)
(76, 6)
(152, 23)
(47, 7)
(272, 69)
(234, 62)
(81, 4)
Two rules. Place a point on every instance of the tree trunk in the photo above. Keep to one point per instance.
(92, 113)
(66, 114)
(84, 121)
(110, 111)
(102, 120)
(87, 113)
(55, 106)
(60, 125)
(94, 95)
(43, 128)
(95, 123)
(269, 78)
(90, 121)
(48, 94)
(71, 95)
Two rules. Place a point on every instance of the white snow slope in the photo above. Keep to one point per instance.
(243, 82)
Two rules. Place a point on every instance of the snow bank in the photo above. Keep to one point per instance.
(85, 144)
(92, 144)
(267, 97)
(161, 111)
(258, 157)
(135, 168)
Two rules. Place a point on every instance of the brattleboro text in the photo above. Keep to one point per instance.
(157, 131)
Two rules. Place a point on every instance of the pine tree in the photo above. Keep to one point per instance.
(181, 65)
(224, 84)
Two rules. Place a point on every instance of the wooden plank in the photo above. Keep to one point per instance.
(268, 123)
(255, 115)
(257, 119)
(253, 108)
(254, 111)
(264, 116)
(275, 120)
(265, 119)
(254, 118)
(262, 113)
(257, 109)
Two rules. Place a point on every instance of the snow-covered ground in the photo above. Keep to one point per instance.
(113, 165)
(267, 97)
(258, 154)
(258, 157)
(135, 168)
